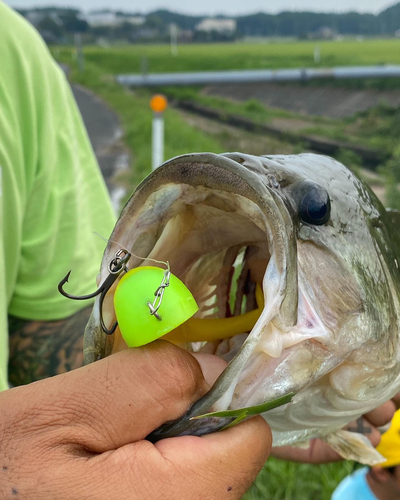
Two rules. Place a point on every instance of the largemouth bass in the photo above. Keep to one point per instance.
(325, 253)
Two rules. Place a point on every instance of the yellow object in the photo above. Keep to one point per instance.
(201, 330)
(158, 103)
(389, 446)
(134, 291)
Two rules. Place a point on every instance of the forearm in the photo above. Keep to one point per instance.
(41, 349)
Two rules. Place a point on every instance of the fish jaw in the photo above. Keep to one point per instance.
(96, 344)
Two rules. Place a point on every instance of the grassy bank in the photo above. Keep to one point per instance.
(281, 480)
(377, 128)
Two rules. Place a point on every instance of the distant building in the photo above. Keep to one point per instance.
(95, 19)
(397, 33)
(107, 18)
(225, 26)
(135, 20)
(324, 33)
(145, 34)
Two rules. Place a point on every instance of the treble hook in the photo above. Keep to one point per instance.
(115, 267)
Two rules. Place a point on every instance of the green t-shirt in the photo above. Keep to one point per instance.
(52, 195)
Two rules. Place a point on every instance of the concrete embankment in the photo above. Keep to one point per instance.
(333, 102)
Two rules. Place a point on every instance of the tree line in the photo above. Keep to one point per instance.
(60, 22)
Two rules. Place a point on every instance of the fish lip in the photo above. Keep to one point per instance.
(181, 170)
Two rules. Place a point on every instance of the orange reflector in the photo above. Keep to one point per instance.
(158, 103)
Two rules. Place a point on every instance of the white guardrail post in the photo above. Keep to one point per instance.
(158, 104)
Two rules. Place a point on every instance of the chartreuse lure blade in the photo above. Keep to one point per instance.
(144, 312)
(242, 413)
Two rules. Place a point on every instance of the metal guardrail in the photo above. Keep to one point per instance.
(253, 76)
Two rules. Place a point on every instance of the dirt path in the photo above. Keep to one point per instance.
(105, 133)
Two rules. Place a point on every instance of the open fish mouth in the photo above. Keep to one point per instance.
(229, 236)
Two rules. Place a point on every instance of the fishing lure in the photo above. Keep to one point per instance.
(135, 313)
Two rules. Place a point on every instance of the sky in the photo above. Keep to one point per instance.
(213, 7)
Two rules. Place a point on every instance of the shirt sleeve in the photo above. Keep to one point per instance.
(53, 195)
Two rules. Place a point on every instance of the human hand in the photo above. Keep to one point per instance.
(320, 452)
(80, 435)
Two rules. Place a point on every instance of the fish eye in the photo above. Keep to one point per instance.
(314, 204)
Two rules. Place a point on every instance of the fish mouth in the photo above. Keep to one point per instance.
(227, 235)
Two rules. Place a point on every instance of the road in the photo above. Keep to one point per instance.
(105, 133)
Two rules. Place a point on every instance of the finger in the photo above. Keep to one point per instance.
(396, 400)
(362, 426)
(124, 397)
(382, 415)
(318, 452)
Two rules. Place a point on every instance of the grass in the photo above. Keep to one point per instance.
(252, 108)
(281, 480)
(278, 480)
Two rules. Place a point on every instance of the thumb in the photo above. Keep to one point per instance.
(225, 463)
(120, 399)
(211, 366)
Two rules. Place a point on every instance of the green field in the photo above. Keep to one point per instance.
(278, 480)
(212, 57)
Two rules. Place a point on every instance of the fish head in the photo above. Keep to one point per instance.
(302, 228)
